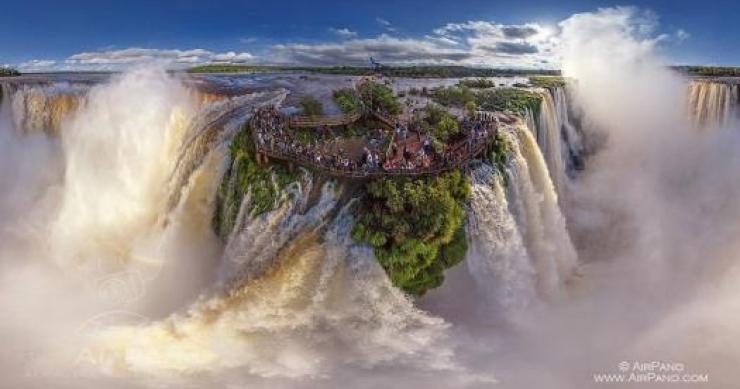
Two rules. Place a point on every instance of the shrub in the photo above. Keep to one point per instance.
(347, 100)
(379, 96)
(441, 123)
(416, 227)
(456, 96)
(263, 184)
(515, 100)
(479, 83)
(8, 72)
(310, 106)
(547, 81)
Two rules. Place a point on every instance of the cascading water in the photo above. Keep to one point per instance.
(519, 236)
(289, 293)
(319, 297)
(558, 138)
(42, 107)
(713, 103)
(497, 257)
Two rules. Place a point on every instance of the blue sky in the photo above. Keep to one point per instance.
(48, 35)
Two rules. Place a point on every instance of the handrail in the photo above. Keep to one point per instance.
(378, 172)
(317, 121)
(446, 164)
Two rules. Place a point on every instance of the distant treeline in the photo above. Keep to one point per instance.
(710, 71)
(7, 72)
(390, 71)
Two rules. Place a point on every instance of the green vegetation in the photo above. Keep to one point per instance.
(264, 184)
(379, 96)
(710, 71)
(310, 106)
(416, 227)
(515, 100)
(347, 100)
(479, 83)
(471, 107)
(499, 154)
(390, 71)
(497, 99)
(547, 81)
(440, 124)
(8, 72)
(457, 96)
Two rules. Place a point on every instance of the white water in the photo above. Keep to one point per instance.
(534, 203)
(557, 137)
(42, 107)
(323, 305)
(713, 103)
(304, 306)
(497, 257)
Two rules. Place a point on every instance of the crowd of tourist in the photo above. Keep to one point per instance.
(399, 149)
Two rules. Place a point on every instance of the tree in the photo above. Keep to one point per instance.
(446, 127)
(347, 100)
(379, 97)
(442, 124)
(415, 227)
(8, 72)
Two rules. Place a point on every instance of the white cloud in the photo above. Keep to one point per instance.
(473, 43)
(115, 59)
(388, 26)
(470, 43)
(35, 65)
(343, 32)
(356, 52)
(682, 35)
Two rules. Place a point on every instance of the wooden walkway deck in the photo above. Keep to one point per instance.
(457, 156)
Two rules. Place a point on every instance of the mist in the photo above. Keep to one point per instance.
(654, 214)
(106, 280)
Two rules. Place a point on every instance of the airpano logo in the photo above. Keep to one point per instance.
(646, 372)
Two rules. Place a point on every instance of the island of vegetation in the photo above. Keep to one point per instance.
(547, 81)
(710, 71)
(412, 172)
(8, 72)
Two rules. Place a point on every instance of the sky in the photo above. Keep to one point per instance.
(48, 35)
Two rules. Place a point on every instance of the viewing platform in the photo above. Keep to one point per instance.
(403, 156)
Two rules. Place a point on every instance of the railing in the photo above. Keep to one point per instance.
(449, 163)
(456, 156)
(318, 121)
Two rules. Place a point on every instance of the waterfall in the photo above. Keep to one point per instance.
(119, 149)
(520, 243)
(215, 123)
(255, 241)
(713, 102)
(42, 107)
(558, 138)
(326, 302)
(497, 257)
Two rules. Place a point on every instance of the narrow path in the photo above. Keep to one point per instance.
(478, 138)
